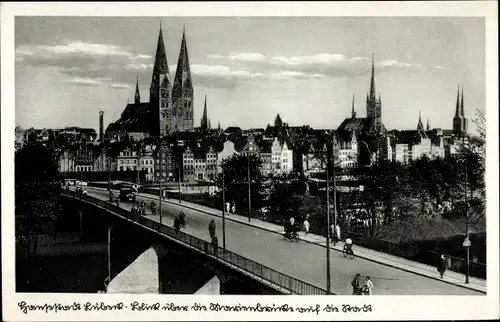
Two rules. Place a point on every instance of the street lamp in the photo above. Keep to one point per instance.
(467, 242)
(328, 228)
(223, 208)
(250, 149)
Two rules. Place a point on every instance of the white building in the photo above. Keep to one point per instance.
(402, 153)
(127, 160)
(347, 152)
(282, 156)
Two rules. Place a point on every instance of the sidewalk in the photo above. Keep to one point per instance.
(361, 252)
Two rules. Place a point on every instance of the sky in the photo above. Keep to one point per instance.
(251, 68)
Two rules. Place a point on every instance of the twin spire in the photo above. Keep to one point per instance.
(183, 73)
(204, 126)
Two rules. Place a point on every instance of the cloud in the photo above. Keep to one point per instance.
(221, 76)
(87, 81)
(318, 64)
(294, 75)
(244, 57)
(81, 60)
(119, 86)
(439, 67)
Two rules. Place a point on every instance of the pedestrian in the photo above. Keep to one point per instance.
(306, 226)
(368, 286)
(332, 232)
(442, 266)
(211, 228)
(355, 284)
(228, 207)
(337, 233)
(292, 221)
(233, 208)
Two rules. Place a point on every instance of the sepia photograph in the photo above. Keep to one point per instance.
(249, 155)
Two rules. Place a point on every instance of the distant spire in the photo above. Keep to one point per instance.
(420, 125)
(204, 119)
(457, 109)
(372, 83)
(353, 112)
(462, 113)
(209, 124)
(160, 67)
(137, 94)
(218, 127)
(428, 125)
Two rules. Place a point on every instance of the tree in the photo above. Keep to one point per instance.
(37, 202)
(236, 181)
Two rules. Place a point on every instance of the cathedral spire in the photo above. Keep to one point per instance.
(462, 113)
(160, 67)
(204, 118)
(457, 109)
(353, 112)
(372, 84)
(137, 94)
(183, 72)
(428, 125)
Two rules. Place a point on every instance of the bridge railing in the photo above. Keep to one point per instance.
(293, 285)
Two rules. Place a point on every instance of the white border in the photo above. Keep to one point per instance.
(389, 308)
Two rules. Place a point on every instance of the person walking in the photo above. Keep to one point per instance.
(337, 234)
(306, 226)
(332, 232)
(368, 286)
(355, 284)
(292, 221)
(228, 207)
(442, 266)
(233, 208)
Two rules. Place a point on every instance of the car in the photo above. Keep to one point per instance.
(127, 194)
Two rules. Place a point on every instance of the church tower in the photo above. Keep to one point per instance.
(374, 105)
(460, 122)
(182, 91)
(160, 67)
(353, 111)
(137, 98)
(167, 120)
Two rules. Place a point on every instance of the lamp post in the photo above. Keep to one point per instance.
(250, 149)
(160, 195)
(328, 228)
(179, 166)
(467, 242)
(223, 208)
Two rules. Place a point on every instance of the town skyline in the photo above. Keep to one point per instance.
(96, 71)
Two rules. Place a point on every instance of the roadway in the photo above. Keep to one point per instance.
(304, 261)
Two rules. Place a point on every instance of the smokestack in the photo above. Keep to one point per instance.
(101, 126)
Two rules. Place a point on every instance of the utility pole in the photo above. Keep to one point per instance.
(467, 248)
(180, 163)
(249, 188)
(334, 199)
(223, 209)
(328, 226)
(160, 151)
(138, 165)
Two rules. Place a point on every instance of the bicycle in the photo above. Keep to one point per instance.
(348, 252)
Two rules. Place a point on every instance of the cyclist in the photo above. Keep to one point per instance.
(348, 245)
(153, 208)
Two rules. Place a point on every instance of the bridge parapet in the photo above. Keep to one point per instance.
(282, 282)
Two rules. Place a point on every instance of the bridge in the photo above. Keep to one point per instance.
(253, 256)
